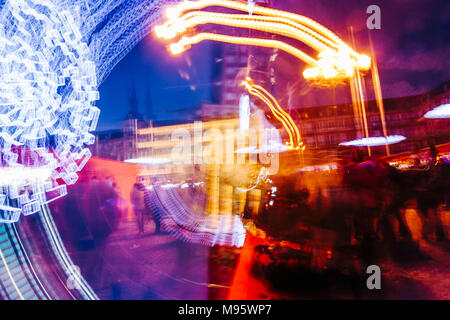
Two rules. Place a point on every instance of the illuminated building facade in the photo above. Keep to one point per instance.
(325, 127)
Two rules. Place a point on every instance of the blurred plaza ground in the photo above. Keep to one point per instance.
(157, 266)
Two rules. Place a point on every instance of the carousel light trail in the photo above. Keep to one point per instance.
(267, 24)
(172, 27)
(176, 12)
(335, 62)
(186, 42)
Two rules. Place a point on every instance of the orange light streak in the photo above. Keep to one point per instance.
(378, 94)
(177, 11)
(297, 31)
(336, 60)
(185, 42)
(360, 94)
(278, 112)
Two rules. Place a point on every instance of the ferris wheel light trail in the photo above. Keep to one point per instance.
(374, 141)
(336, 60)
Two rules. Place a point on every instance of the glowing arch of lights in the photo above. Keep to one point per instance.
(335, 61)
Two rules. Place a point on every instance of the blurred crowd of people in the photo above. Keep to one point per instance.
(371, 202)
(86, 217)
(382, 197)
(366, 201)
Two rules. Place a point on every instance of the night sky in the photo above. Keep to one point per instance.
(412, 49)
(177, 84)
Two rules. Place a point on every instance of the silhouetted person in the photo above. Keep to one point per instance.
(137, 200)
(366, 180)
(102, 217)
(429, 195)
(150, 192)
